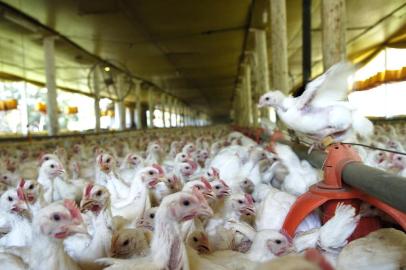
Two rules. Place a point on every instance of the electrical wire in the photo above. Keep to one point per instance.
(359, 144)
(377, 148)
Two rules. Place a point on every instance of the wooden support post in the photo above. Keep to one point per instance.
(279, 45)
(333, 17)
(119, 119)
(52, 105)
(306, 40)
(132, 116)
(151, 108)
(96, 78)
(263, 67)
(171, 111)
(163, 109)
(247, 95)
(138, 105)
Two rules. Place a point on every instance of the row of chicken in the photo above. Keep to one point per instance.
(204, 198)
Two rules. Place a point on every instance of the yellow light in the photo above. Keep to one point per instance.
(107, 69)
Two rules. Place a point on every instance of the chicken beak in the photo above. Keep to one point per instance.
(249, 211)
(205, 210)
(209, 195)
(78, 228)
(20, 206)
(85, 204)
(204, 246)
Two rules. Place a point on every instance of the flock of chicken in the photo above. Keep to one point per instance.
(205, 198)
(202, 198)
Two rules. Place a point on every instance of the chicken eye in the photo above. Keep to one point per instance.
(126, 242)
(195, 239)
(99, 193)
(152, 215)
(169, 180)
(198, 187)
(31, 186)
(183, 156)
(52, 166)
(108, 160)
(151, 173)
(217, 187)
(267, 98)
(47, 158)
(240, 201)
(134, 158)
(380, 154)
(56, 217)
(399, 158)
(187, 168)
(278, 242)
(5, 177)
(10, 199)
(245, 182)
(186, 203)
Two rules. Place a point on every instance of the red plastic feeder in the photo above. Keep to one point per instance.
(331, 191)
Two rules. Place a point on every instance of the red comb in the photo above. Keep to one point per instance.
(88, 188)
(198, 194)
(192, 164)
(22, 182)
(216, 172)
(73, 209)
(206, 184)
(100, 159)
(20, 194)
(249, 199)
(224, 183)
(159, 168)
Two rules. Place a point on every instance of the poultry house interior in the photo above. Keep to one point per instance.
(185, 134)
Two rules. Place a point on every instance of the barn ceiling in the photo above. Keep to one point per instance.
(191, 49)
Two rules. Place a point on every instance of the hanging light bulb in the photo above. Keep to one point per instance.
(107, 69)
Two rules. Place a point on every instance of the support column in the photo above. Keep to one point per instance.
(132, 116)
(306, 40)
(138, 105)
(119, 119)
(177, 113)
(333, 18)
(279, 45)
(163, 109)
(248, 94)
(263, 69)
(52, 105)
(24, 111)
(96, 90)
(151, 108)
(170, 110)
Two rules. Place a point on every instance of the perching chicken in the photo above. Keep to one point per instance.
(321, 108)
